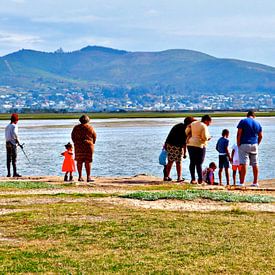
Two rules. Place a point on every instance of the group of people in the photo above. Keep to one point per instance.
(193, 136)
(83, 137)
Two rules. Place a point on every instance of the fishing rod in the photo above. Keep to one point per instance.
(22, 148)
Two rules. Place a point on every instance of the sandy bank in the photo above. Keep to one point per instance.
(113, 186)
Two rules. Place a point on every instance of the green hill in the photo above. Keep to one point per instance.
(183, 71)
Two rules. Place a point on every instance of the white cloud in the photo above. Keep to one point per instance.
(16, 38)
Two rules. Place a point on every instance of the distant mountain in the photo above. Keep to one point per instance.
(182, 71)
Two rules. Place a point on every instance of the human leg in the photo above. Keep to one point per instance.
(66, 176)
(227, 175)
(192, 165)
(8, 149)
(255, 174)
(13, 161)
(234, 172)
(220, 176)
(88, 166)
(243, 173)
(243, 157)
(253, 157)
(199, 161)
(168, 169)
(179, 170)
(79, 165)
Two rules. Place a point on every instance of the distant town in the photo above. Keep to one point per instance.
(95, 100)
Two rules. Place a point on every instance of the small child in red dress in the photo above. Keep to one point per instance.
(68, 163)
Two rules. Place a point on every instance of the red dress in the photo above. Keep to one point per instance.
(68, 163)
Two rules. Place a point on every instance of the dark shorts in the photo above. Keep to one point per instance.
(223, 161)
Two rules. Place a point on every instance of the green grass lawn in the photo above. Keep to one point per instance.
(94, 236)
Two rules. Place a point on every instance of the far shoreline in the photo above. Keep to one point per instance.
(127, 115)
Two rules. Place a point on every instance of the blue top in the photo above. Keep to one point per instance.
(250, 130)
(221, 145)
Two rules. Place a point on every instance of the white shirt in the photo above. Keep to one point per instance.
(236, 160)
(11, 133)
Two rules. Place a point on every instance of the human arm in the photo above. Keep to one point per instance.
(260, 137)
(228, 154)
(14, 134)
(94, 136)
(239, 135)
(205, 136)
(184, 151)
(232, 155)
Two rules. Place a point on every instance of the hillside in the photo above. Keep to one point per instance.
(183, 71)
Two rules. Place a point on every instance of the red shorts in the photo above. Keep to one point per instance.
(236, 167)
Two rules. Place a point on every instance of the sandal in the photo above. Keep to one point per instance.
(80, 179)
(180, 179)
(90, 180)
(167, 179)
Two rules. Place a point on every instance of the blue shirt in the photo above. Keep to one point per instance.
(250, 130)
(222, 145)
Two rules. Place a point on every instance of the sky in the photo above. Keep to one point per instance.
(240, 29)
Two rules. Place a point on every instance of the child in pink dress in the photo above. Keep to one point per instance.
(68, 163)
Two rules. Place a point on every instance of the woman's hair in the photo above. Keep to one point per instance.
(188, 120)
(206, 118)
(84, 119)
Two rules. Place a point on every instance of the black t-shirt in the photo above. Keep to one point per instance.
(177, 136)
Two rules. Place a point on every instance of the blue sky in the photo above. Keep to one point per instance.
(242, 29)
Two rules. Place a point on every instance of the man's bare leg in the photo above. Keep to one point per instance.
(255, 173)
(243, 173)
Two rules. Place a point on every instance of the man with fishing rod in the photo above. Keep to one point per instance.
(12, 141)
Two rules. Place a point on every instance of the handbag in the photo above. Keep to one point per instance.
(163, 157)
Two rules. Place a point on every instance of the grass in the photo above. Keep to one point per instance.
(199, 194)
(26, 185)
(99, 237)
(131, 115)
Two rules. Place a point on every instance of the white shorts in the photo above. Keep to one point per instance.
(248, 152)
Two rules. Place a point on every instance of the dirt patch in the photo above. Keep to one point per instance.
(9, 211)
(196, 205)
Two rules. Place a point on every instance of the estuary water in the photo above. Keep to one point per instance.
(125, 147)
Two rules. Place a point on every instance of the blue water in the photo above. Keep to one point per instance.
(125, 147)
